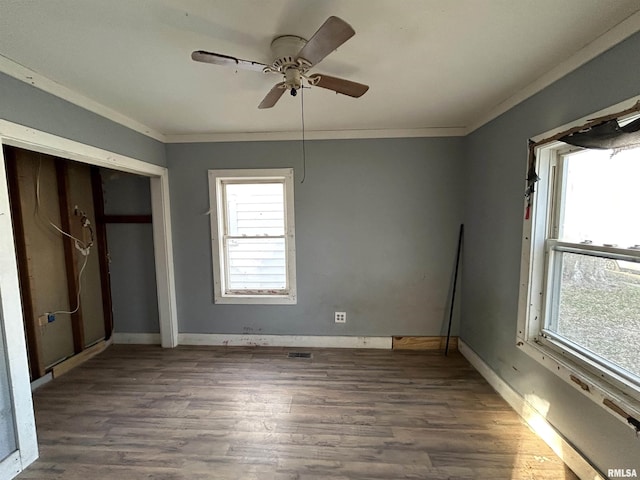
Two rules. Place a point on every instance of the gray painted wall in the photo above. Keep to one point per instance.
(26, 105)
(496, 157)
(376, 231)
(132, 267)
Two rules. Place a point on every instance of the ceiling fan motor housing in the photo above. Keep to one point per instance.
(285, 52)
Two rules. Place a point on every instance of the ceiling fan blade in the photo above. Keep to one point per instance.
(333, 33)
(273, 96)
(226, 60)
(339, 85)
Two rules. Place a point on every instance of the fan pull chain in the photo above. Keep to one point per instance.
(304, 152)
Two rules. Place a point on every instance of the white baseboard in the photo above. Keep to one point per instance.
(536, 421)
(38, 382)
(236, 340)
(309, 341)
(136, 338)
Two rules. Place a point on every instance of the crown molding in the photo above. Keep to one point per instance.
(604, 42)
(315, 135)
(20, 72)
(610, 38)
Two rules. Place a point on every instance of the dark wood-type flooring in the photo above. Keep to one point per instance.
(142, 412)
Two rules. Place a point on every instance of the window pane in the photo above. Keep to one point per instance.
(601, 197)
(255, 209)
(599, 307)
(256, 264)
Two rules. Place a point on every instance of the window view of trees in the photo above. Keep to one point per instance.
(597, 294)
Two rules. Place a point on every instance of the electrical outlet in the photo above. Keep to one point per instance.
(47, 318)
(341, 317)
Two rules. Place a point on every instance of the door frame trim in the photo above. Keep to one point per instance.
(11, 320)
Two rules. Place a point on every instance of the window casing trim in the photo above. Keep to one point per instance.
(217, 178)
(569, 363)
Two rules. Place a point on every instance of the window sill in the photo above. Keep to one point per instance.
(256, 299)
(601, 392)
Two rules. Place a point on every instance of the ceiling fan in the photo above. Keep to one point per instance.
(294, 57)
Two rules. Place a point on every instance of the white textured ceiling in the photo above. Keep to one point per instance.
(429, 63)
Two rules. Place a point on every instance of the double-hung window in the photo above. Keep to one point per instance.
(580, 294)
(253, 236)
(593, 280)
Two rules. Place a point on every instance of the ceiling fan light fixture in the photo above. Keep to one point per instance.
(293, 79)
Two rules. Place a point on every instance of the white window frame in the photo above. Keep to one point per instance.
(217, 178)
(605, 386)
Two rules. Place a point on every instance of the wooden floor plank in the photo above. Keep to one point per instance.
(253, 413)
